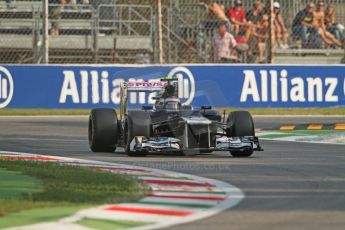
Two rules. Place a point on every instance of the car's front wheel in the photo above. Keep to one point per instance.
(240, 124)
(239, 154)
(138, 124)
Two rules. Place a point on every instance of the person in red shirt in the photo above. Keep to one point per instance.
(237, 16)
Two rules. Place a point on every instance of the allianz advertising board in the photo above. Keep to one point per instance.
(240, 86)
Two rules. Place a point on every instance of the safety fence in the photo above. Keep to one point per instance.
(168, 31)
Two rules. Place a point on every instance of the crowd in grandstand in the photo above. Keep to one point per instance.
(241, 34)
(246, 31)
(242, 30)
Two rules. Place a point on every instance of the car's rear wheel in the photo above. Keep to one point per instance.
(138, 124)
(240, 124)
(103, 130)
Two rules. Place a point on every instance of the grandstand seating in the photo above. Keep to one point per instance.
(308, 56)
(21, 29)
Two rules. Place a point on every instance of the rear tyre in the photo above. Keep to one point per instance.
(240, 124)
(138, 124)
(103, 130)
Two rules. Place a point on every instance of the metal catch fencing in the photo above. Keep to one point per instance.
(98, 32)
(163, 31)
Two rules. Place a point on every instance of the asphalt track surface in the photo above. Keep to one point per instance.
(288, 186)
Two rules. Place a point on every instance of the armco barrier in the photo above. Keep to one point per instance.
(241, 86)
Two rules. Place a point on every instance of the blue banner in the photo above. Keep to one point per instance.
(239, 86)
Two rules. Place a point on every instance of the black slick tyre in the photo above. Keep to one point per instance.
(138, 124)
(103, 130)
(240, 124)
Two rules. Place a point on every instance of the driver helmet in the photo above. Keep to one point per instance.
(172, 103)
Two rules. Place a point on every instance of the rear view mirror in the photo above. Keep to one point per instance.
(206, 107)
(147, 107)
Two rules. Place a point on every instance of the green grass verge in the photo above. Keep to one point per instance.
(273, 136)
(14, 184)
(312, 132)
(44, 112)
(37, 215)
(109, 224)
(293, 111)
(39, 185)
(266, 111)
(281, 134)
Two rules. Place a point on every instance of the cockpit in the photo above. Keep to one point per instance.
(168, 99)
(172, 104)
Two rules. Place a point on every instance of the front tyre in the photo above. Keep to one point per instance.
(103, 130)
(240, 124)
(138, 124)
(239, 154)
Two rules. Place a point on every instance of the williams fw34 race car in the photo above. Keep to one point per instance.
(170, 126)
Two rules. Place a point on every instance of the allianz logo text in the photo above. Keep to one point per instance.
(6, 87)
(278, 86)
(97, 87)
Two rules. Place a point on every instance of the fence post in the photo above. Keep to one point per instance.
(45, 32)
(36, 15)
(271, 39)
(94, 29)
(160, 31)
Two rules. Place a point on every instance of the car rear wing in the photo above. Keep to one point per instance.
(141, 86)
(138, 86)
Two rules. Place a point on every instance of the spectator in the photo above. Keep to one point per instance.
(237, 16)
(77, 4)
(84, 4)
(254, 17)
(281, 33)
(55, 7)
(218, 11)
(303, 23)
(319, 25)
(332, 26)
(223, 44)
(261, 34)
(73, 4)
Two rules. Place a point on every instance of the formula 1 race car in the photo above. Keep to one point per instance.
(170, 126)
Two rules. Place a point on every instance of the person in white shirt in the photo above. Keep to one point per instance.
(223, 45)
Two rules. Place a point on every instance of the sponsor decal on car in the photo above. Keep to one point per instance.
(146, 84)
